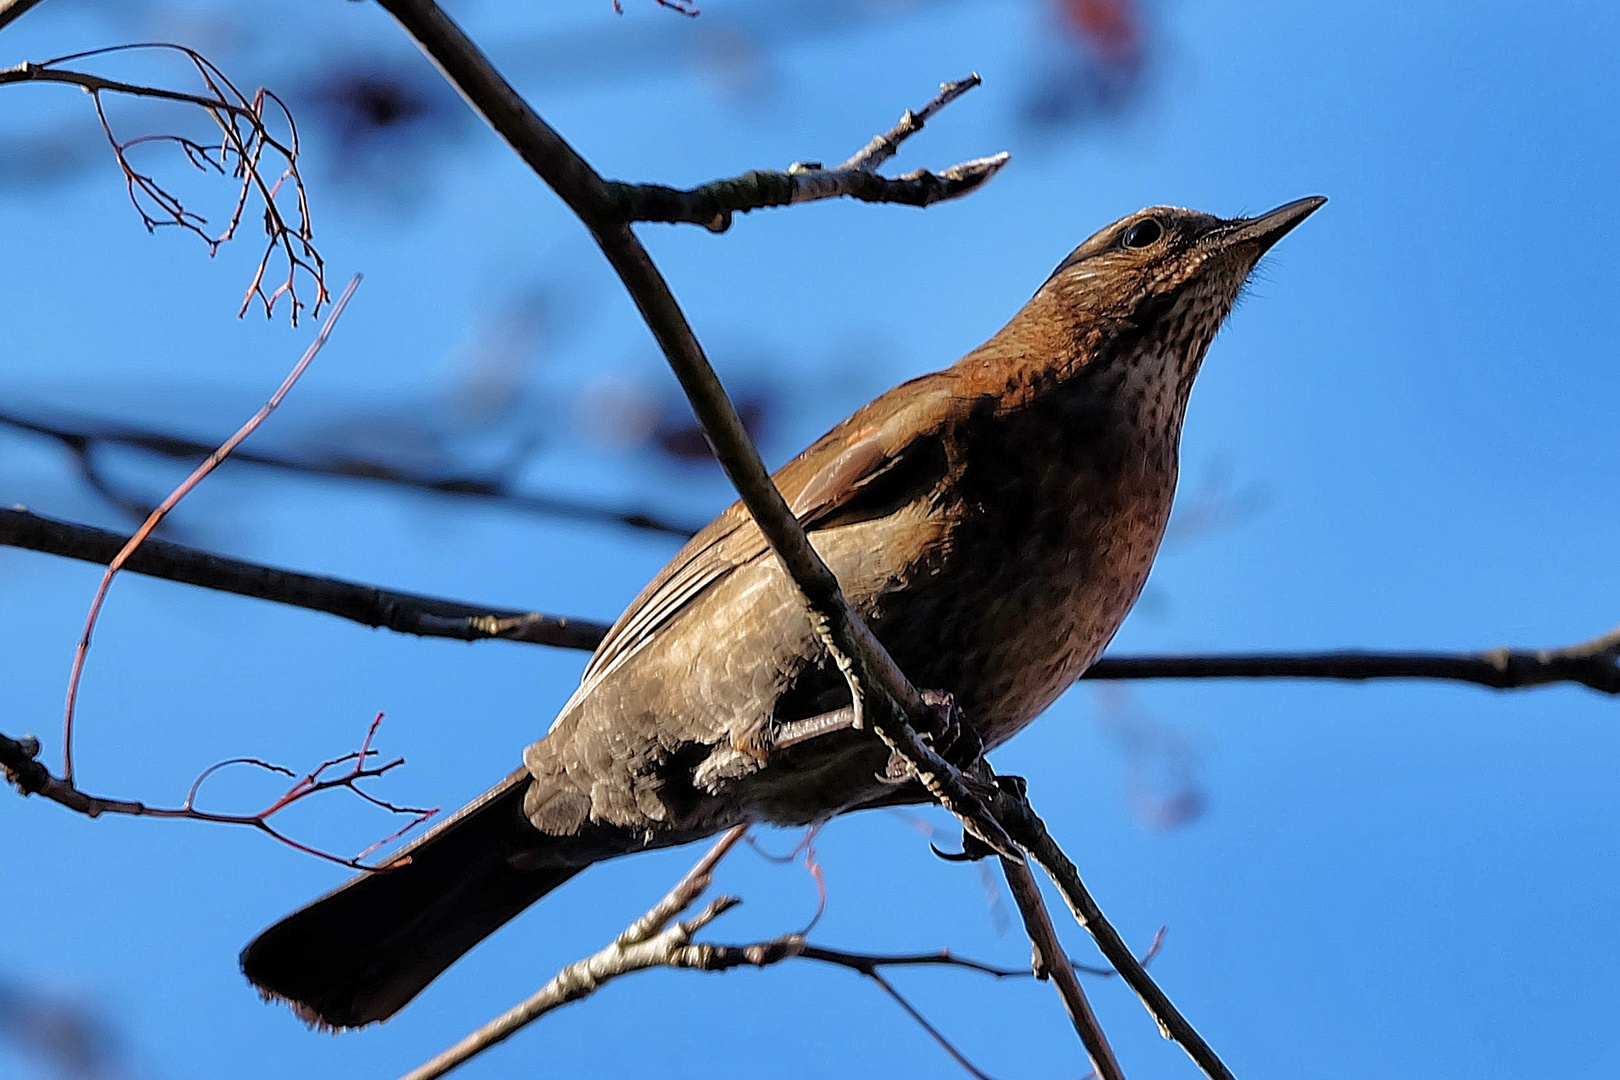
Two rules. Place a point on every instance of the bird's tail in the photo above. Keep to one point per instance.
(358, 954)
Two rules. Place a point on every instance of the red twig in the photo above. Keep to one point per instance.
(245, 142)
(32, 778)
(162, 511)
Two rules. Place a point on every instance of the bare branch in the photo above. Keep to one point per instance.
(20, 767)
(1594, 663)
(1051, 962)
(713, 204)
(246, 147)
(173, 499)
(1014, 810)
(885, 146)
(403, 612)
(12, 10)
(648, 942)
(889, 701)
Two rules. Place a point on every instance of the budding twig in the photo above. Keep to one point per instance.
(713, 204)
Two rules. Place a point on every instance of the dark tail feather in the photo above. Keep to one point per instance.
(358, 954)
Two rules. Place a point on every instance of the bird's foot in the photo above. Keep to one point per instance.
(944, 728)
(974, 849)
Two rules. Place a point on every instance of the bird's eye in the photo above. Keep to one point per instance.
(1142, 234)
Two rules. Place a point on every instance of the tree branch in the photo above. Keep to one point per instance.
(713, 204)
(1051, 962)
(244, 145)
(406, 613)
(1013, 809)
(648, 942)
(1594, 663)
(12, 10)
(20, 767)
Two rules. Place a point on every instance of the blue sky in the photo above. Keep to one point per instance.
(1411, 417)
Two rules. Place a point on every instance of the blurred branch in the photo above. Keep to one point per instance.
(407, 613)
(245, 144)
(1594, 663)
(12, 10)
(713, 204)
(82, 439)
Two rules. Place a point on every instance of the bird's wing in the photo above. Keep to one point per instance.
(860, 469)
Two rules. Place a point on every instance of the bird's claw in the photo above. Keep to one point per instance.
(944, 728)
(973, 849)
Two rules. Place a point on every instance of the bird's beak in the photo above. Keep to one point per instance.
(1263, 231)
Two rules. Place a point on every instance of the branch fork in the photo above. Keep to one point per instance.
(713, 204)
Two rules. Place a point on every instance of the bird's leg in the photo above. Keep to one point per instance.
(943, 727)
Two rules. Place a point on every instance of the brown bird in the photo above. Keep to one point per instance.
(993, 522)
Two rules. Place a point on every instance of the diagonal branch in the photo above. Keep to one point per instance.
(651, 941)
(1014, 810)
(890, 701)
(1051, 962)
(12, 10)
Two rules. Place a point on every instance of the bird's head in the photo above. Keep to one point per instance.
(1141, 300)
(1168, 272)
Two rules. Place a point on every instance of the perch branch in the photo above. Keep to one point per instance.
(890, 701)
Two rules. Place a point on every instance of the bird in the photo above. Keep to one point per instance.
(993, 522)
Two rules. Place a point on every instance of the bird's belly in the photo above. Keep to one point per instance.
(1010, 621)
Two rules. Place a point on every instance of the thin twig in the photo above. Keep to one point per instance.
(648, 942)
(1053, 963)
(168, 504)
(20, 766)
(1014, 810)
(245, 141)
(713, 204)
(885, 146)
